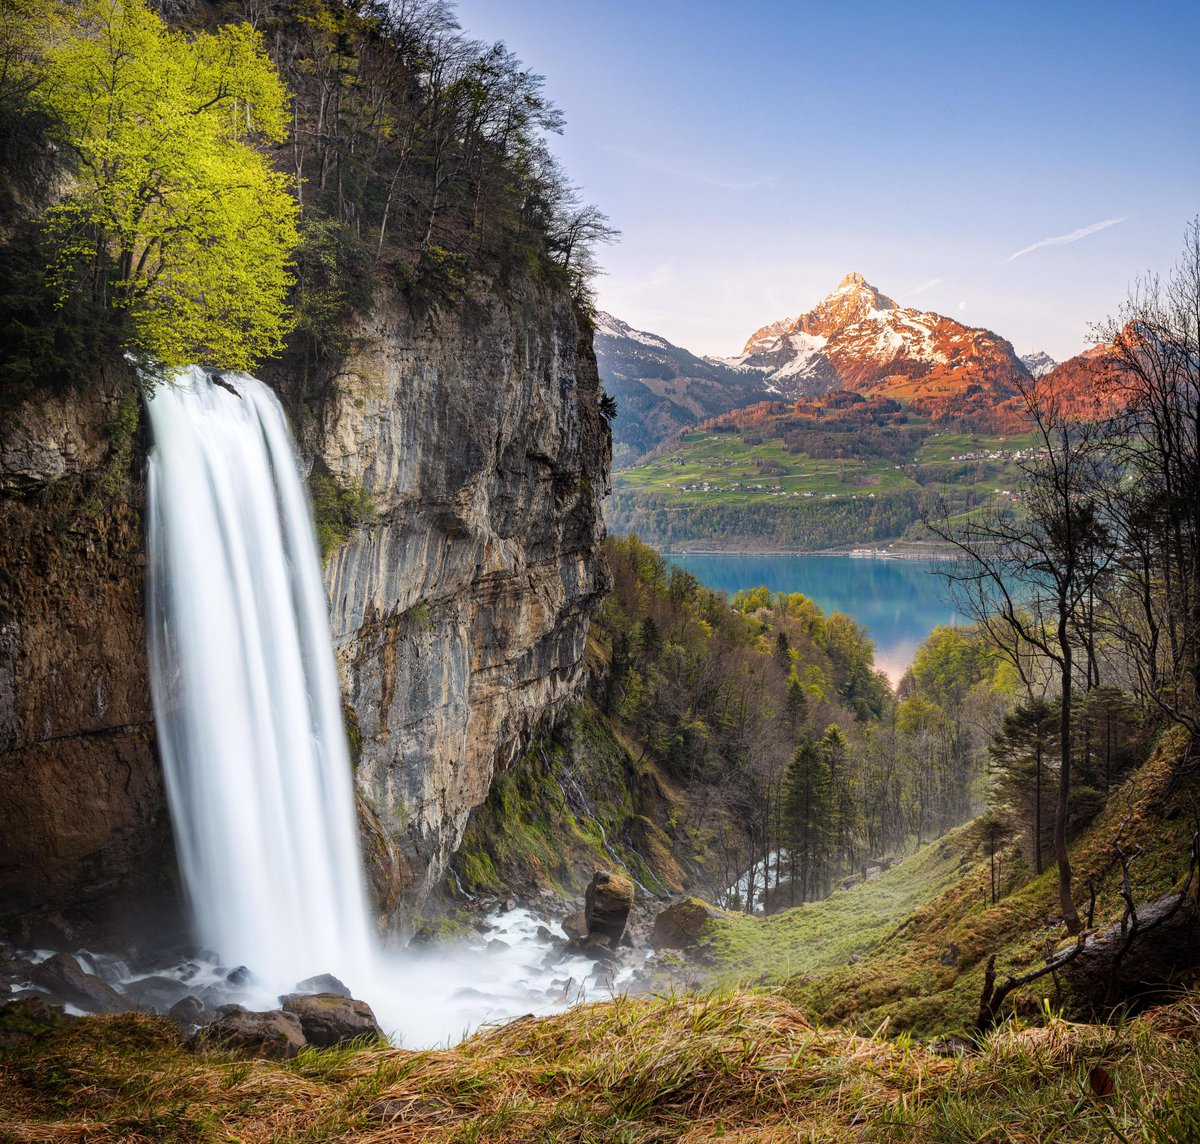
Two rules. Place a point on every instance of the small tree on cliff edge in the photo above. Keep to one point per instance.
(1035, 570)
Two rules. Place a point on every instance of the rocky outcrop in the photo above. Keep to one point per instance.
(460, 612)
(86, 841)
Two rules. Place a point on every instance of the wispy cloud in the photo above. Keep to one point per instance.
(925, 286)
(1063, 239)
(680, 169)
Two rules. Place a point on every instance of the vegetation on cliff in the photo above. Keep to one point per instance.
(196, 191)
(746, 739)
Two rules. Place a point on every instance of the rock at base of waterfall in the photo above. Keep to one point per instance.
(608, 901)
(329, 1019)
(156, 993)
(62, 977)
(188, 1012)
(269, 1034)
(575, 926)
(681, 925)
(322, 983)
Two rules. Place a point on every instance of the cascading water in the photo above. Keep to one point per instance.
(245, 690)
(249, 727)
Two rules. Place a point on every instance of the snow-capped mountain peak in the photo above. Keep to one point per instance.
(859, 338)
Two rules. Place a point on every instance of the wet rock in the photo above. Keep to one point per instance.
(608, 900)
(328, 1019)
(680, 926)
(544, 934)
(575, 926)
(238, 976)
(322, 983)
(14, 969)
(155, 993)
(188, 1011)
(497, 946)
(270, 1034)
(62, 977)
(602, 955)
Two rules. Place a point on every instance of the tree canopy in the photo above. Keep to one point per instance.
(173, 216)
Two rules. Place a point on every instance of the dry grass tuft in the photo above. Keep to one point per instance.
(735, 1066)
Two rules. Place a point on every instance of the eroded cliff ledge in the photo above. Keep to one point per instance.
(459, 611)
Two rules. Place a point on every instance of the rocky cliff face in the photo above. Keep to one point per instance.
(85, 842)
(460, 612)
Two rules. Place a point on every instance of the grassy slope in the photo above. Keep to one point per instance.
(901, 925)
(731, 1067)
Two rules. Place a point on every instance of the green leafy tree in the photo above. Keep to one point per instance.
(174, 218)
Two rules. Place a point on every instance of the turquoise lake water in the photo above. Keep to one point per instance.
(899, 602)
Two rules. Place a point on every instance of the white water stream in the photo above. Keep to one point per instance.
(248, 716)
(245, 690)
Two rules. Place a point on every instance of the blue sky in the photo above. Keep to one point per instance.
(754, 153)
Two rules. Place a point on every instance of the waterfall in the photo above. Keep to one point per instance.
(245, 690)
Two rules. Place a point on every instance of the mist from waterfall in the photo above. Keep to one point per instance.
(245, 690)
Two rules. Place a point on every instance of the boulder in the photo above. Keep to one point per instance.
(61, 977)
(155, 993)
(606, 906)
(681, 925)
(575, 926)
(329, 1019)
(269, 1034)
(322, 983)
(14, 968)
(187, 1011)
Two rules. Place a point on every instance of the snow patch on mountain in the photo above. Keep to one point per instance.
(1038, 362)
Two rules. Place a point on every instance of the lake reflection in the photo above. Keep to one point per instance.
(899, 602)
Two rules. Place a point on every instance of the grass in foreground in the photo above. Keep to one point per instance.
(729, 1067)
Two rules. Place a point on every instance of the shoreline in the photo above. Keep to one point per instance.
(853, 553)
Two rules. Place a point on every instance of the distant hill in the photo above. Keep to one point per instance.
(660, 388)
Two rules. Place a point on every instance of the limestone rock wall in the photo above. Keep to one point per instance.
(460, 612)
(85, 840)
